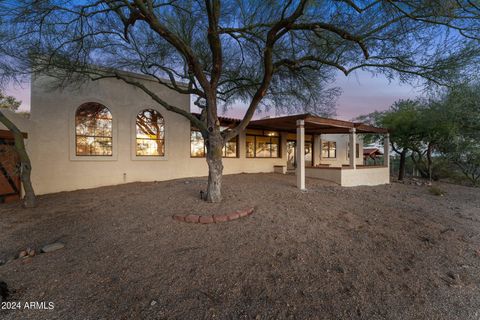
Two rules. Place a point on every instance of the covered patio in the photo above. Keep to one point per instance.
(351, 174)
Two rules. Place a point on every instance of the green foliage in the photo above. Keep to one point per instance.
(9, 102)
(441, 134)
(458, 129)
(403, 123)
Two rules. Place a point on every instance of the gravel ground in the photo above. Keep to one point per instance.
(385, 252)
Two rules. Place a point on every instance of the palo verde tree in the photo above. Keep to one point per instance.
(402, 120)
(458, 138)
(270, 53)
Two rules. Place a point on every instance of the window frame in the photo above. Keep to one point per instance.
(357, 151)
(237, 146)
(133, 134)
(136, 139)
(278, 136)
(329, 143)
(72, 131)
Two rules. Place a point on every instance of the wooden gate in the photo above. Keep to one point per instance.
(10, 186)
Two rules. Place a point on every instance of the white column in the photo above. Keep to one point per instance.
(386, 150)
(353, 149)
(300, 155)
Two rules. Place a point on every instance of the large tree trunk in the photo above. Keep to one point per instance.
(401, 168)
(215, 166)
(30, 200)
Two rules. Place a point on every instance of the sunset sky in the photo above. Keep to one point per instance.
(362, 94)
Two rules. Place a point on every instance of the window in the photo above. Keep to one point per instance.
(93, 130)
(357, 150)
(150, 134)
(263, 144)
(198, 149)
(329, 149)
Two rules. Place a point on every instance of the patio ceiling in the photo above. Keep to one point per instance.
(313, 125)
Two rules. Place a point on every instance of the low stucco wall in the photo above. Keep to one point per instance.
(365, 176)
(346, 177)
(330, 174)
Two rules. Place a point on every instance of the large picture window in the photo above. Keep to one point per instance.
(150, 133)
(263, 144)
(198, 149)
(93, 130)
(329, 149)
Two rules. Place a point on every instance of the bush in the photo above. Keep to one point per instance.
(436, 191)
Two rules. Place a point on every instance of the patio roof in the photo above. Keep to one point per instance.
(313, 125)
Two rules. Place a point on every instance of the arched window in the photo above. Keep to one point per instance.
(93, 130)
(150, 133)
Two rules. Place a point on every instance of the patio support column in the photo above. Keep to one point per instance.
(353, 149)
(300, 154)
(386, 150)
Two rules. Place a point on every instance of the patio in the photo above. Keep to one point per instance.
(349, 175)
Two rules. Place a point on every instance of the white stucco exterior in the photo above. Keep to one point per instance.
(51, 140)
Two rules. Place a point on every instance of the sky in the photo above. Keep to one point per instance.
(361, 94)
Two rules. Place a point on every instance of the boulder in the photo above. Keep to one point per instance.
(53, 247)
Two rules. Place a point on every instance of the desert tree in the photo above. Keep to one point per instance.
(402, 120)
(458, 139)
(280, 54)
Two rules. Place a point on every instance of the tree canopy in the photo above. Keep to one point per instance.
(444, 126)
(9, 102)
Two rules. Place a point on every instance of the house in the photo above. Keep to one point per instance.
(107, 132)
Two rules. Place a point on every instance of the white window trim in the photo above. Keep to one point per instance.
(72, 132)
(133, 135)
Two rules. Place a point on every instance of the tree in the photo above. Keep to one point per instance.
(279, 54)
(459, 139)
(403, 123)
(10, 103)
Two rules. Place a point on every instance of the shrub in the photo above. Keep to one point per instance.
(436, 191)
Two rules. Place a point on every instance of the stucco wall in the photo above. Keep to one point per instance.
(365, 176)
(334, 175)
(347, 177)
(56, 168)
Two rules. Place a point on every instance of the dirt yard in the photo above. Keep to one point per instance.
(386, 252)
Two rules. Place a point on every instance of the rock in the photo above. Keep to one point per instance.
(30, 252)
(153, 302)
(22, 254)
(453, 276)
(339, 269)
(53, 247)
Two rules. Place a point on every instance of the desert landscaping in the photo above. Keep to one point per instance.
(397, 251)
